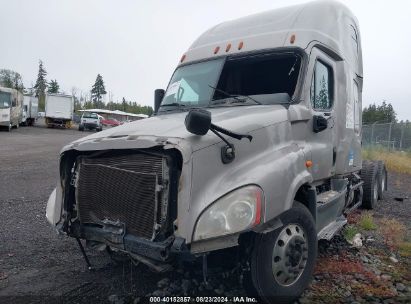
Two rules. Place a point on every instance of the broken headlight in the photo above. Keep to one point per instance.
(237, 211)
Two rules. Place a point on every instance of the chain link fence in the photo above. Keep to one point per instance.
(393, 136)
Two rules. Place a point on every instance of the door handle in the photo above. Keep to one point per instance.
(319, 123)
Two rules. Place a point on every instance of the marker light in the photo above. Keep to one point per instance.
(240, 45)
(228, 47)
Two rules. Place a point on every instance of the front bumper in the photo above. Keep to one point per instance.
(90, 125)
(162, 251)
(5, 123)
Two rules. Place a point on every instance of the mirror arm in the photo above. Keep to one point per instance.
(214, 128)
(222, 138)
(227, 151)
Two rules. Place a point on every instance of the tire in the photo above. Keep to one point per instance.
(382, 179)
(369, 174)
(282, 261)
(80, 128)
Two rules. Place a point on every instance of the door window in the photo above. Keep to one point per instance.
(322, 87)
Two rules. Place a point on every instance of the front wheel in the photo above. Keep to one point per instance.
(282, 261)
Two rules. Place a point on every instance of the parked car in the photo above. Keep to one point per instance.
(111, 122)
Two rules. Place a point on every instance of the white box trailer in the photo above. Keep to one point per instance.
(11, 102)
(59, 110)
(30, 109)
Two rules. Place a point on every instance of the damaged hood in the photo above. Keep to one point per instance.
(170, 129)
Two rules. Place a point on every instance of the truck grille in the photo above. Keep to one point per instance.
(122, 189)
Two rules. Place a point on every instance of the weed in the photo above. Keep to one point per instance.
(404, 249)
(367, 221)
(349, 232)
(397, 161)
(393, 232)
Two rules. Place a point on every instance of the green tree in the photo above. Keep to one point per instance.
(40, 86)
(383, 113)
(54, 87)
(97, 92)
(11, 79)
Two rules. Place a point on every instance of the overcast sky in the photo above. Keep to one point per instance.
(135, 45)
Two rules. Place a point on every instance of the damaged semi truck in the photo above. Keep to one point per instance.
(255, 146)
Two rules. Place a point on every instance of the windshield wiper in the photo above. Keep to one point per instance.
(174, 104)
(236, 97)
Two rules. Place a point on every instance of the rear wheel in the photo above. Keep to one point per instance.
(282, 261)
(382, 179)
(369, 176)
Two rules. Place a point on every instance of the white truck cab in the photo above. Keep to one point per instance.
(90, 121)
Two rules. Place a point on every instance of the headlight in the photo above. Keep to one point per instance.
(234, 212)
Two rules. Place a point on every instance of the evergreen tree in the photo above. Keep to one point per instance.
(97, 92)
(53, 87)
(124, 103)
(40, 86)
(322, 97)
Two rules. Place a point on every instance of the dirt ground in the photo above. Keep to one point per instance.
(38, 266)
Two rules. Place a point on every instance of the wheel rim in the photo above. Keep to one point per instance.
(383, 181)
(290, 255)
(375, 192)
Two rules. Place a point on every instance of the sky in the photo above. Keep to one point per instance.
(136, 45)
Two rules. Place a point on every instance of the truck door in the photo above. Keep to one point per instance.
(321, 77)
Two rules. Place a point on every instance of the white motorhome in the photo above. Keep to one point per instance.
(11, 101)
(59, 110)
(30, 109)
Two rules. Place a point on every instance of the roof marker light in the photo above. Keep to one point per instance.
(240, 45)
(228, 47)
(217, 48)
(182, 58)
(292, 38)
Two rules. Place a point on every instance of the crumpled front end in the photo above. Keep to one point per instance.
(123, 198)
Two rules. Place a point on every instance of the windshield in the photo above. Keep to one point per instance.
(90, 115)
(189, 84)
(252, 76)
(5, 100)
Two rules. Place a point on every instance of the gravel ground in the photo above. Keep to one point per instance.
(38, 266)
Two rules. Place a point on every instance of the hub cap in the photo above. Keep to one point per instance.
(290, 255)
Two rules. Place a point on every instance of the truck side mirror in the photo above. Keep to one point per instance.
(319, 123)
(158, 97)
(198, 121)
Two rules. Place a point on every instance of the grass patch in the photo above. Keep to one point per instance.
(404, 249)
(366, 221)
(349, 232)
(396, 161)
(394, 233)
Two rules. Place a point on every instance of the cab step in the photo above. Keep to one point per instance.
(331, 229)
(328, 196)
